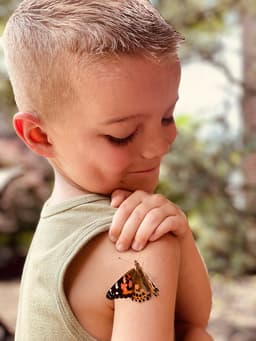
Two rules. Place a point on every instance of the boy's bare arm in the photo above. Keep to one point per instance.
(154, 319)
(99, 266)
(194, 292)
(194, 297)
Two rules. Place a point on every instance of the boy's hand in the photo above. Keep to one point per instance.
(143, 217)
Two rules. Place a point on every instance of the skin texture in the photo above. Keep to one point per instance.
(144, 217)
(102, 317)
(135, 102)
(115, 138)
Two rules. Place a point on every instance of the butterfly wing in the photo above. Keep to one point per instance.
(144, 288)
(124, 287)
(134, 284)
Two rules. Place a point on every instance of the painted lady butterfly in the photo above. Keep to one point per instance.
(134, 284)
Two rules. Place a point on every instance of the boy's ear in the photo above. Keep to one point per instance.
(30, 129)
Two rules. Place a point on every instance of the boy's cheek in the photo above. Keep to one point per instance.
(119, 156)
(117, 168)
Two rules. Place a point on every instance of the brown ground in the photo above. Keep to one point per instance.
(234, 309)
(233, 316)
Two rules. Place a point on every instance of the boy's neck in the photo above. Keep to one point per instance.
(64, 189)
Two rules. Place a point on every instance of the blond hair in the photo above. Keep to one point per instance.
(46, 43)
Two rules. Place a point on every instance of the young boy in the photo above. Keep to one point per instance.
(96, 84)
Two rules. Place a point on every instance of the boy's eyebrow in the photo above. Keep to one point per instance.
(120, 119)
(133, 116)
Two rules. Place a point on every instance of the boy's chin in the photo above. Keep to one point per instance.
(149, 188)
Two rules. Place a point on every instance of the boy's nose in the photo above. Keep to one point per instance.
(156, 147)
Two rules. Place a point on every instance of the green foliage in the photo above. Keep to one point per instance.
(7, 104)
(203, 22)
(6, 8)
(198, 175)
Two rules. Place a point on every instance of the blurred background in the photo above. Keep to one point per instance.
(210, 171)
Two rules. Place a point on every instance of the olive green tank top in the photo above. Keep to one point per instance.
(44, 313)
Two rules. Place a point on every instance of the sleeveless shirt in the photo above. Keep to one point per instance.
(43, 311)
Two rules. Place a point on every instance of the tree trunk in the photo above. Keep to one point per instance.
(249, 107)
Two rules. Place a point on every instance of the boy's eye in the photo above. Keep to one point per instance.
(168, 120)
(121, 141)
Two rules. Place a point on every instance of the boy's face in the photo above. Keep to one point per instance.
(117, 133)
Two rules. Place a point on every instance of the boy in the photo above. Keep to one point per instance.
(96, 84)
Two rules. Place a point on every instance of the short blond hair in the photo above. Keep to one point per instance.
(46, 42)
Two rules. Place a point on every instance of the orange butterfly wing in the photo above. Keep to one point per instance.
(134, 284)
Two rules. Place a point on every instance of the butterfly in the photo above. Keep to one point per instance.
(134, 284)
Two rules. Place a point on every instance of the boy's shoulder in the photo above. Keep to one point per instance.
(99, 265)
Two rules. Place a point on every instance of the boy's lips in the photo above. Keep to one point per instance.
(146, 170)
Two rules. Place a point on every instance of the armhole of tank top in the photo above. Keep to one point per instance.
(71, 322)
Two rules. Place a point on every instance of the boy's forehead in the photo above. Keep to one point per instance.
(122, 66)
(127, 87)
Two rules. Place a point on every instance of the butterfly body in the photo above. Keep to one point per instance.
(134, 284)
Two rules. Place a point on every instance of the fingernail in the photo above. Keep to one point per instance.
(112, 203)
(120, 247)
(112, 238)
(136, 246)
(152, 238)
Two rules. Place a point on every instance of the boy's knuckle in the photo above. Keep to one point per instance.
(154, 216)
(167, 206)
(141, 237)
(137, 215)
(125, 208)
(141, 194)
(168, 221)
(158, 198)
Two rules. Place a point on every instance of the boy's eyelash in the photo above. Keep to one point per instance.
(121, 141)
(168, 120)
(126, 140)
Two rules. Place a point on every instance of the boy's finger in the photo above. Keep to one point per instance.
(172, 224)
(141, 224)
(131, 225)
(123, 212)
(153, 219)
(118, 196)
(129, 230)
